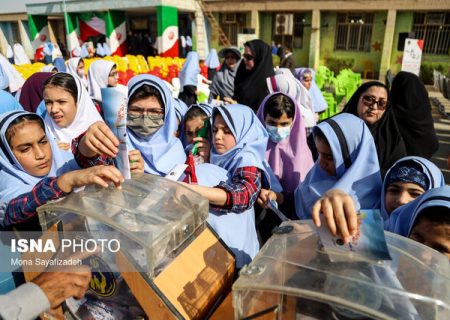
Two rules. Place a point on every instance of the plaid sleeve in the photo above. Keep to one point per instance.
(85, 162)
(24, 206)
(242, 191)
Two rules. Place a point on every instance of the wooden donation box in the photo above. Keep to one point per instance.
(170, 264)
(293, 278)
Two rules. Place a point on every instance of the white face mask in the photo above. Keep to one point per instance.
(276, 134)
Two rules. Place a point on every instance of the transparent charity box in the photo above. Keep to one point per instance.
(293, 278)
(170, 263)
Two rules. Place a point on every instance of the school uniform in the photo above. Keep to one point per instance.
(402, 220)
(431, 176)
(161, 151)
(356, 164)
(245, 173)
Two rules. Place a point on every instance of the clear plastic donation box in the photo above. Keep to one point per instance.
(293, 278)
(155, 256)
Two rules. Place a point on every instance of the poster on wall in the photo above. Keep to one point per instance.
(243, 38)
(412, 55)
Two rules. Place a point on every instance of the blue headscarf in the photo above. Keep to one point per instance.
(162, 151)
(189, 72)
(4, 80)
(318, 101)
(356, 162)
(212, 60)
(429, 169)
(15, 180)
(402, 220)
(8, 103)
(60, 64)
(180, 109)
(251, 139)
(206, 108)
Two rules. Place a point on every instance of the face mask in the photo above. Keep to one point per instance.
(276, 134)
(80, 73)
(145, 126)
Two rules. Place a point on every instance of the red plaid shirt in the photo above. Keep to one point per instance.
(24, 206)
(242, 191)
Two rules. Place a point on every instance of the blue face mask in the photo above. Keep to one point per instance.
(276, 134)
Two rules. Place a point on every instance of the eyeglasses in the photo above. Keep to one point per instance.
(134, 114)
(230, 56)
(248, 57)
(369, 101)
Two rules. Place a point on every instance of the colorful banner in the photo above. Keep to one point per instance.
(167, 25)
(39, 33)
(114, 102)
(412, 55)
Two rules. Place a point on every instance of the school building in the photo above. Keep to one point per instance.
(366, 35)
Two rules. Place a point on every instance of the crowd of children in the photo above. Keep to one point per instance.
(249, 150)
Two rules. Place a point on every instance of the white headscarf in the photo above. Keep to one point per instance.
(72, 68)
(9, 52)
(20, 56)
(15, 79)
(98, 77)
(86, 115)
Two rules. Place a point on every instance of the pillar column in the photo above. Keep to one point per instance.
(254, 18)
(387, 44)
(314, 47)
(25, 40)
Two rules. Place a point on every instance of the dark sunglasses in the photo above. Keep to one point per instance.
(370, 101)
(230, 56)
(248, 57)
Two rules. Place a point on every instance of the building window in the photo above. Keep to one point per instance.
(288, 29)
(232, 24)
(434, 29)
(11, 32)
(353, 31)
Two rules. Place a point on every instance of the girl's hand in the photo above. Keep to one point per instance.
(204, 147)
(63, 145)
(136, 161)
(99, 139)
(265, 196)
(99, 175)
(339, 212)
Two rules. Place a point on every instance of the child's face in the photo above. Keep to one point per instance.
(223, 138)
(32, 149)
(283, 121)
(61, 106)
(400, 193)
(433, 235)
(326, 160)
(191, 128)
(80, 68)
(113, 78)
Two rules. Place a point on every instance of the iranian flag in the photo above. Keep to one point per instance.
(116, 32)
(72, 36)
(91, 25)
(167, 18)
(39, 34)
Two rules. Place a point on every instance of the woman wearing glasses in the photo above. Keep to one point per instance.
(250, 82)
(400, 127)
(223, 83)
